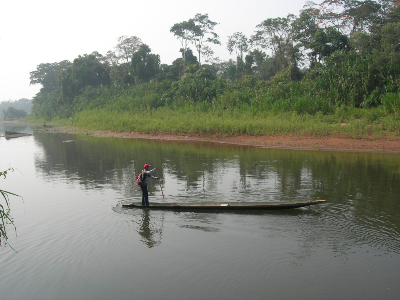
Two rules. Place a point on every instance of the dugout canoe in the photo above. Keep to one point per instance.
(224, 205)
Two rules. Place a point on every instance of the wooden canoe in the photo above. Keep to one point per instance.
(224, 205)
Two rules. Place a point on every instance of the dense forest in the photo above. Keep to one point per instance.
(337, 58)
(10, 110)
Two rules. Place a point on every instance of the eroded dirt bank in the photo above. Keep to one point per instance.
(286, 142)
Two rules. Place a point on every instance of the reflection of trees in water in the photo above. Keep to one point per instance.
(366, 185)
(199, 167)
(204, 167)
(150, 229)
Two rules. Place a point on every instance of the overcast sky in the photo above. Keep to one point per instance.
(46, 31)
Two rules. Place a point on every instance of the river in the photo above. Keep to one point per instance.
(73, 240)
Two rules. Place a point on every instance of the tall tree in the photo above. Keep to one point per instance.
(126, 47)
(190, 58)
(350, 16)
(46, 74)
(361, 15)
(239, 43)
(263, 66)
(276, 34)
(85, 71)
(203, 33)
(389, 54)
(326, 41)
(145, 64)
(111, 58)
(184, 32)
(305, 25)
(228, 70)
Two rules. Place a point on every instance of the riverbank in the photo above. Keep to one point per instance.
(283, 141)
(381, 145)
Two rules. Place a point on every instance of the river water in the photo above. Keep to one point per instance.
(73, 240)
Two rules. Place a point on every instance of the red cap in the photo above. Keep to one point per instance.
(146, 165)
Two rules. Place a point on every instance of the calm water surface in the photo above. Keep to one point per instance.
(74, 241)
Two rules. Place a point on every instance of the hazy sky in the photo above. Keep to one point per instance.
(46, 31)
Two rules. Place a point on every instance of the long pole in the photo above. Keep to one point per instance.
(161, 188)
(162, 192)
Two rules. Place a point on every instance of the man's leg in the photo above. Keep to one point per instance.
(144, 190)
(145, 195)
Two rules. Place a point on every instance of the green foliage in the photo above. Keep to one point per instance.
(5, 218)
(202, 118)
(46, 74)
(22, 106)
(198, 87)
(122, 74)
(353, 64)
(85, 71)
(72, 81)
(275, 34)
(184, 32)
(46, 105)
(190, 58)
(238, 42)
(12, 113)
(391, 103)
(145, 65)
(326, 41)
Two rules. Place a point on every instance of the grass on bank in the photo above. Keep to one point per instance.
(345, 122)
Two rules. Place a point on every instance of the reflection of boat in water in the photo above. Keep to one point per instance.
(224, 205)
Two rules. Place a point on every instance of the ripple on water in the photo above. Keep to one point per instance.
(341, 228)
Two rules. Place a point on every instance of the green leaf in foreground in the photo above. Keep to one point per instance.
(5, 218)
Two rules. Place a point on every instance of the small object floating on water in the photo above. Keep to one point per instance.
(69, 141)
(224, 205)
(15, 134)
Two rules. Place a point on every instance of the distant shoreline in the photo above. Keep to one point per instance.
(267, 141)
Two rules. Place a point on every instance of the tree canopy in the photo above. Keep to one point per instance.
(341, 52)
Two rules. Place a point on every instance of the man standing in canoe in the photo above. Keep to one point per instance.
(145, 176)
